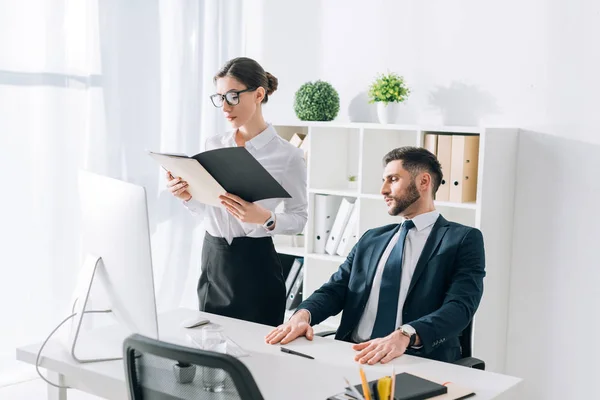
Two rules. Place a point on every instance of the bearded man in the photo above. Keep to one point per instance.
(407, 288)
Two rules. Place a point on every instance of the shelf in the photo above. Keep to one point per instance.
(376, 126)
(468, 206)
(290, 250)
(326, 257)
(371, 196)
(335, 192)
(452, 129)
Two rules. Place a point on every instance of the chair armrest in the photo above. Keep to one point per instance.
(471, 362)
(325, 334)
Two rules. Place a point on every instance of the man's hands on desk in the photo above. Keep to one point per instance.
(298, 325)
(382, 350)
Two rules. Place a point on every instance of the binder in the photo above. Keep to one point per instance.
(297, 139)
(295, 296)
(214, 172)
(430, 142)
(304, 146)
(444, 156)
(463, 171)
(350, 236)
(339, 225)
(293, 274)
(326, 208)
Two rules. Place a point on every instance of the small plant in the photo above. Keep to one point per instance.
(352, 178)
(182, 364)
(388, 88)
(316, 101)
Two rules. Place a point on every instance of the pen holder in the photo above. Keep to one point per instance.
(184, 372)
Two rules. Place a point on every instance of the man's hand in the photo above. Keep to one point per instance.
(243, 210)
(381, 350)
(297, 326)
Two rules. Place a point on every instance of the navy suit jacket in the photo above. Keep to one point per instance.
(442, 298)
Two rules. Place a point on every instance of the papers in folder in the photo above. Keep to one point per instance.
(201, 185)
(213, 173)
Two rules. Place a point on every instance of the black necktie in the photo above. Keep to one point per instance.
(389, 292)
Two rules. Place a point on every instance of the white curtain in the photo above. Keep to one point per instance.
(92, 84)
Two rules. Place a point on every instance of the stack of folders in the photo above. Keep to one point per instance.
(459, 157)
(293, 284)
(335, 225)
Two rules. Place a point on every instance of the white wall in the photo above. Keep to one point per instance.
(529, 64)
(556, 272)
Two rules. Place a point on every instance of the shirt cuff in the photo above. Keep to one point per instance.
(193, 205)
(309, 314)
(416, 333)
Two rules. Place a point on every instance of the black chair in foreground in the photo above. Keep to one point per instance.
(159, 370)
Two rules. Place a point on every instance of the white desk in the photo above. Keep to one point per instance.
(278, 375)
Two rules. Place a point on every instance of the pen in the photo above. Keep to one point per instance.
(296, 353)
(393, 389)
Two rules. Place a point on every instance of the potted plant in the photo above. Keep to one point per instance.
(316, 101)
(388, 90)
(184, 372)
(352, 183)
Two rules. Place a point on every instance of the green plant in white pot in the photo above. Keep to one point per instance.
(388, 90)
(352, 182)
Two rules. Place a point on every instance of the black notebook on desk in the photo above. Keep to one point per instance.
(410, 387)
(231, 169)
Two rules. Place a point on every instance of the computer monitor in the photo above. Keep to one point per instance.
(117, 256)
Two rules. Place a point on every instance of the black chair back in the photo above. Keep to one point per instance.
(466, 341)
(159, 370)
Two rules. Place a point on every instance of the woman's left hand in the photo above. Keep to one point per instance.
(244, 211)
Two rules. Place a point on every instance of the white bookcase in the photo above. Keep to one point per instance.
(338, 150)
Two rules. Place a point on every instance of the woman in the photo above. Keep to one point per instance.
(241, 272)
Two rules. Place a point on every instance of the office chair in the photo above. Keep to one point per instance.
(149, 367)
(466, 340)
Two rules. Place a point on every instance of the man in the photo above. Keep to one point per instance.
(409, 288)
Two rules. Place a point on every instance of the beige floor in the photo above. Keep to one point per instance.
(36, 390)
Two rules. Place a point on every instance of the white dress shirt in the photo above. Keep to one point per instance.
(286, 163)
(413, 247)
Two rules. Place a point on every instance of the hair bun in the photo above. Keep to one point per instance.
(272, 82)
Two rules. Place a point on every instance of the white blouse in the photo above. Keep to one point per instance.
(286, 163)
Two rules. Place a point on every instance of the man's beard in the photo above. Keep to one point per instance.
(402, 203)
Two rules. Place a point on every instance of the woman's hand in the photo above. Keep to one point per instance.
(178, 187)
(246, 212)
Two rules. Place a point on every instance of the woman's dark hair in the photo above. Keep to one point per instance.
(415, 160)
(250, 73)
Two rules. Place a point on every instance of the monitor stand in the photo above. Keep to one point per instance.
(104, 344)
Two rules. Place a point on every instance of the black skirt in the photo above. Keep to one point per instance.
(243, 280)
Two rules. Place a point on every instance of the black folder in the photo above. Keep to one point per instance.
(411, 387)
(230, 169)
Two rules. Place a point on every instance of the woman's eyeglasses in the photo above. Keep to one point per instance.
(232, 97)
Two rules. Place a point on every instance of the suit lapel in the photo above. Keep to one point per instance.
(433, 241)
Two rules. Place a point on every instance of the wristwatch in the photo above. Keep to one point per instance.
(270, 222)
(410, 332)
